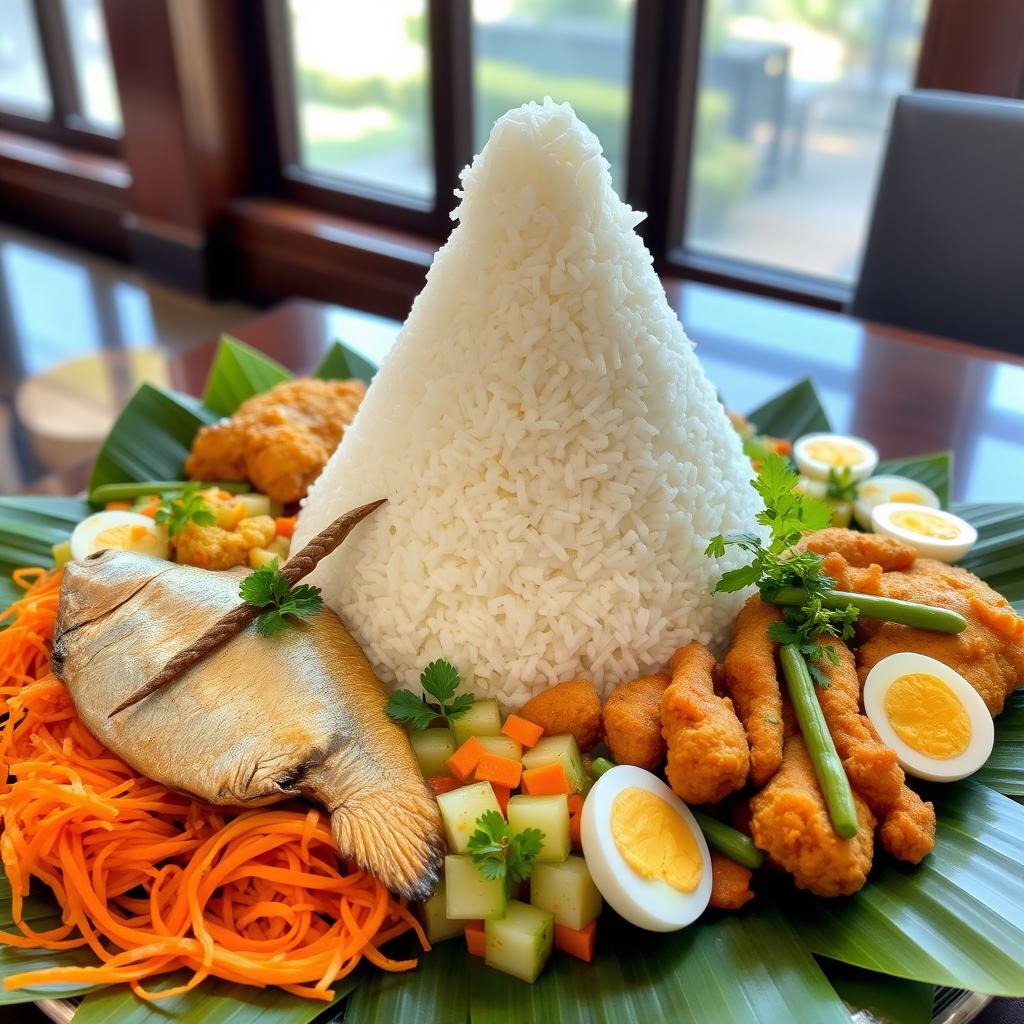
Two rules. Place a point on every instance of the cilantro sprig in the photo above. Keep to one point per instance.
(776, 566)
(841, 485)
(179, 509)
(268, 588)
(440, 679)
(497, 852)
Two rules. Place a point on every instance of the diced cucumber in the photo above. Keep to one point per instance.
(259, 557)
(282, 547)
(567, 890)
(520, 942)
(482, 719)
(255, 504)
(432, 748)
(433, 915)
(548, 813)
(460, 809)
(61, 554)
(563, 749)
(502, 746)
(471, 897)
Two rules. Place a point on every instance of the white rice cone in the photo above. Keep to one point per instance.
(555, 460)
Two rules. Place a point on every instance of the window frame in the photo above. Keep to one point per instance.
(66, 125)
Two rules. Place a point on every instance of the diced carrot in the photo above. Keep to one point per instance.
(575, 816)
(501, 793)
(579, 943)
(443, 784)
(474, 932)
(118, 506)
(522, 731)
(284, 526)
(152, 507)
(466, 758)
(503, 770)
(547, 781)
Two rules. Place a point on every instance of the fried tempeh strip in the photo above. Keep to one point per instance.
(632, 721)
(730, 883)
(708, 756)
(860, 549)
(752, 679)
(789, 821)
(908, 830)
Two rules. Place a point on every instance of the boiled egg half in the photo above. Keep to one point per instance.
(934, 532)
(126, 531)
(927, 713)
(645, 851)
(880, 489)
(816, 454)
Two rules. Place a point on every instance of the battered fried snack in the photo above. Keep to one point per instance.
(989, 654)
(279, 440)
(752, 679)
(860, 549)
(730, 883)
(632, 721)
(872, 768)
(708, 756)
(790, 822)
(568, 707)
(908, 830)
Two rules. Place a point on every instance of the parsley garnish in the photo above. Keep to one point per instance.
(841, 486)
(268, 588)
(498, 853)
(188, 506)
(440, 679)
(776, 566)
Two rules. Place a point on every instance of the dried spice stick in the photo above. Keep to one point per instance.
(229, 625)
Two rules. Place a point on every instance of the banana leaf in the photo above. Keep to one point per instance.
(934, 471)
(1004, 770)
(998, 557)
(150, 439)
(953, 920)
(238, 373)
(341, 363)
(796, 411)
(892, 1000)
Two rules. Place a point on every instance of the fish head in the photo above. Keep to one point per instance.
(92, 589)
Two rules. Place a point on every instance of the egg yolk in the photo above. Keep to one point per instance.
(907, 497)
(835, 453)
(927, 715)
(129, 538)
(925, 524)
(654, 840)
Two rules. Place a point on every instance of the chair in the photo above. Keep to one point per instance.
(945, 250)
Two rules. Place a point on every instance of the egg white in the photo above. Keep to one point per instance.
(84, 537)
(934, 769)
(648, 903)
(927, 547)
(887, 486)
(818, 470)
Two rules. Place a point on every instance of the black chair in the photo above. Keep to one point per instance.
(945, 251)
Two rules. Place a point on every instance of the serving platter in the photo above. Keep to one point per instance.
(909, 937)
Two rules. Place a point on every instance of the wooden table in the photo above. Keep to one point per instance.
(907, 392)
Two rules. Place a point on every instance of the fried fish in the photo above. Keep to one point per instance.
(259, 720)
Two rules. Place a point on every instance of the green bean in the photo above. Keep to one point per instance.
(888, 609)
(835, 786)
(122, 492)
(599, 766)
(733, 843)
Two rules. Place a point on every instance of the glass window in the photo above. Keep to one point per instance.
(94, 74)
(361, 84)
(575, 50)
(791, 125)
(23, 85)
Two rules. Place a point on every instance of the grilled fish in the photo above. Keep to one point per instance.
(258, 720)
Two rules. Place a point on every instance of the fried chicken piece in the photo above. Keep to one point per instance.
(908, 830)
(752, 679)
(279, 440)
(211, 547)
(632, 721)
(873, 769)
(989, 654)
(568, 707)
(860, 549)
(790, 822)
(708, 756)
(730, 883)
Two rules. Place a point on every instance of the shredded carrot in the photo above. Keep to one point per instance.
(152, 881)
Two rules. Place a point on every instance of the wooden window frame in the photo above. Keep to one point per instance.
(66, 125)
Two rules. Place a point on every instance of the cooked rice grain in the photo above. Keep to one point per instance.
(555, 459)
